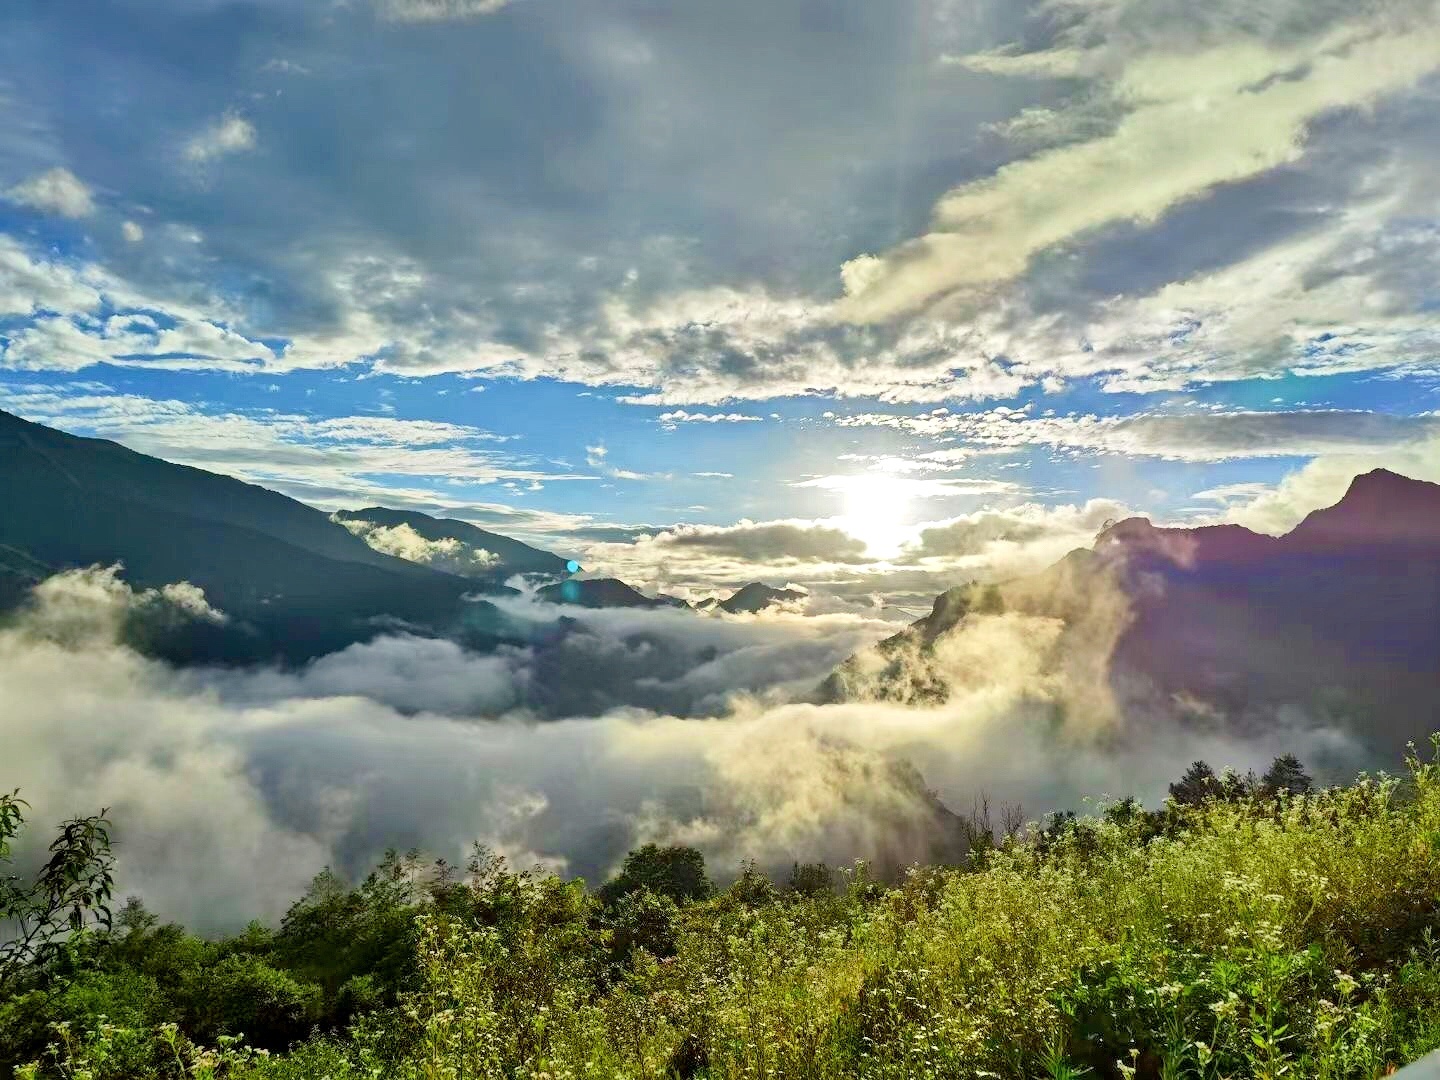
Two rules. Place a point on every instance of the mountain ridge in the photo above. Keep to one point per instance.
(296, 584)
(1337, 620)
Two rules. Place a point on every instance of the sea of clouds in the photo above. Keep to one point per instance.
(230, 788)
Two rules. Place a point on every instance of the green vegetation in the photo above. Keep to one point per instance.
(1251, 928)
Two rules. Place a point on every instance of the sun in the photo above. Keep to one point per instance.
(876, 511)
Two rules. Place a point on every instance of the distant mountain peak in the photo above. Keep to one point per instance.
(1379, 507)
(604, 593)
(756, 596)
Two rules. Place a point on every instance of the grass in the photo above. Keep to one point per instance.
(1260, 937)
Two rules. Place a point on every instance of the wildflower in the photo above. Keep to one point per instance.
(1345, 984)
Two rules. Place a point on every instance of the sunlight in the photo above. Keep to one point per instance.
(876, 511)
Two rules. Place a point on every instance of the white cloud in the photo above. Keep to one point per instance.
(1029, 536)
(229, 789)
(766, 542)
(1277, 509)
(1196, 120)
(1199, 437)
(669, 420)
(402, 541)
(56, 191)
(437, 10)
(70, 344)
(132, 232)
(328, 462)
(231, 134)
(28, 285)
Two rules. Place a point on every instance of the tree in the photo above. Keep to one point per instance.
(1198, 784)
(812, 879)
(752, 888)
(677, 872)
(642, 920)
(71, 890)
(1288, 775)
(1234, 787)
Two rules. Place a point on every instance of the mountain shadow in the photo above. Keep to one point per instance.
(295, 584)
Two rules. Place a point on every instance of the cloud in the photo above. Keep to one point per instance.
(327, 461)
(28, 286)
(1195, 437)
(1319, 483)
(670, 420)
(766, 541)
(655, 257)
(449, 554)
(132, 232)
(698, 560)
(231, 134)
(229, 789)
(907, 487)
(1003, 534)
(1196, 120)
(437, 10)
(71, 344)
(56, 191)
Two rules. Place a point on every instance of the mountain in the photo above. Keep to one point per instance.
(751, 599)
(1336, 622)
(604, 593)
(295, 584)
(466, 541)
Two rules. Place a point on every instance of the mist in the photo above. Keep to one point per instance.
(230, 789)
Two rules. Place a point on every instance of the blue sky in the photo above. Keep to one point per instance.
(869, 297)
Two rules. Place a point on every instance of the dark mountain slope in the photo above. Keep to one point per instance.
(295, 583)
(755, 597)
(604, 593)
(53, 458)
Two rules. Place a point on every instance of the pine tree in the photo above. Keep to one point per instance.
(1198, 784)
(1288, 775)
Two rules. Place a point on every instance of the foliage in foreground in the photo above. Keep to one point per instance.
(1241, 932)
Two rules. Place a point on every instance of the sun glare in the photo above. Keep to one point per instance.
(876, 512)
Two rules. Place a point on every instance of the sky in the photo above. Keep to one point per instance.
(866, 297)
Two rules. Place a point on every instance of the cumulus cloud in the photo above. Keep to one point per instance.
(231, 134)
(402, 541)
(229, 789)
(670, 420)
(1041, 533)
(29, 285)
(132, 231)
(764, 541)
(1166, 167)
(70, 344)
(56, 191)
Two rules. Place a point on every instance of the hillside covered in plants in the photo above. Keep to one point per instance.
(1252, 927)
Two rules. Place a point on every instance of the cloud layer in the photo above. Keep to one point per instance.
(231, 788)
